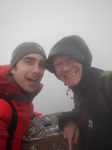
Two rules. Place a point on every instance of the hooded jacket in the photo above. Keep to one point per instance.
(24, 108)
(94, 122)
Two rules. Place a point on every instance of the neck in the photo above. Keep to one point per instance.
(30, 96)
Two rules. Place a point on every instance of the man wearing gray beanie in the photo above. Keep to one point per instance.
(19, 84)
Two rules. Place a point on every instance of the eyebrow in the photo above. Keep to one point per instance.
(28, 58)
(32, 58)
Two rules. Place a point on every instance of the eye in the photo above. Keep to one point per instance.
(42, 65)
(58, 64)
(71, 60)
(29, 62)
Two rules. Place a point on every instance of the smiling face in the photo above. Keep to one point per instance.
(29, 71)
(67, 70)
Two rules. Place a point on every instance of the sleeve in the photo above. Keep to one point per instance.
(64, 118)
(5, 119)
(36, 114)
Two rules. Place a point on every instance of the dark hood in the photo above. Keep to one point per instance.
(88, 81)
(72, 46)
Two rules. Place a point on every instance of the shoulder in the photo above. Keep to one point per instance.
(105, 78)
(96, 71)
(106, 74)
(104, 90)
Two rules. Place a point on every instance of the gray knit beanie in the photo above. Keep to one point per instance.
(24, 49)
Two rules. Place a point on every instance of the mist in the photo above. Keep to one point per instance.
(46, 22)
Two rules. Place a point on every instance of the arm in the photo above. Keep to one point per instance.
(69, 127)
(71, 133)
(36, 114)
(64, 118)
(5, 119)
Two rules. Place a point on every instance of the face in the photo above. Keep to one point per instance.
(29, 71)
(68, 70)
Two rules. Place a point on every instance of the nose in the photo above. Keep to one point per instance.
(65, 67)
(36, 69)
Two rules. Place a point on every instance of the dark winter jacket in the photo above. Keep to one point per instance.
(94, 121)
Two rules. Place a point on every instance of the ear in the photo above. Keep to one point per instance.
(12, 71)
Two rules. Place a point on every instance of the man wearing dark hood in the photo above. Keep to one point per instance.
(70, 60)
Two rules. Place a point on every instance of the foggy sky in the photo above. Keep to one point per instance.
(46, 22)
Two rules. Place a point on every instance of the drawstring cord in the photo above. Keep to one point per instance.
(68, 92)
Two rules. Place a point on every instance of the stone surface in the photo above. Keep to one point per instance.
(44, 134)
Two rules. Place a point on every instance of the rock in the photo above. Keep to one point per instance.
(44, 134)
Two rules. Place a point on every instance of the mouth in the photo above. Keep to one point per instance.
(71, 75)
(32, 81)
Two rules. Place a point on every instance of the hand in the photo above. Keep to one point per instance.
(71, 133)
